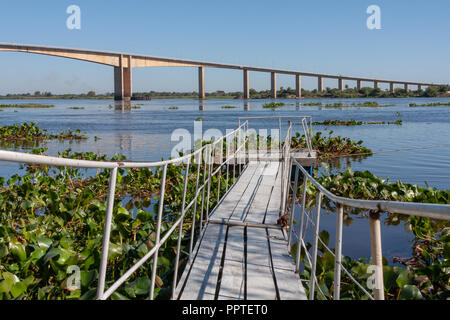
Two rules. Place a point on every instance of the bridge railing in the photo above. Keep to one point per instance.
(209, 158)
(309, 218)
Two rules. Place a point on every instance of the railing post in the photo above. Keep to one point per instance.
(180, 232)
(315, 246)
(220, 170)
(194, 215)
(300, 227)
(376, 252)
(106, 233)
(210, 170)
(204, 185)
(239, 152)
(158, 231)
(227, 163)
(338, 252)
(294, 198)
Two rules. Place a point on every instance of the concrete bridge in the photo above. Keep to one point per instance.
(124, 63)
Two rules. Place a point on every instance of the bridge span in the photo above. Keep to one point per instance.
(124, 63)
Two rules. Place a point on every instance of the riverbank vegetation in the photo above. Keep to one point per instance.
(365, 92)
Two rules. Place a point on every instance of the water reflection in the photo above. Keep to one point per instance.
(124, 141)
(246, 105)
(201, 105)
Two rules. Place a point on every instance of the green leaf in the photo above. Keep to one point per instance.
(87, 277)
(410, 292)
(3, 251)
(18, 288)
(122, 214)
(44, 243)
(404, 278)
(118, 296)
(51, 254)
(114, 251)
(142, 286)
(18, 250)
(144, 216)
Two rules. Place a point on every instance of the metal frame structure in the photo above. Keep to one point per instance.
(210, 156)
(435, 211)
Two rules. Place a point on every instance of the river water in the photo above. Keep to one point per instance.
(145, 134)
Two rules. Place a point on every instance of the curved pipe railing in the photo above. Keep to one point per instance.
(207, 155)
(435, 211)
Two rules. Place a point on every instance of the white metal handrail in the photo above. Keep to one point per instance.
(435, 211)
(206, 155)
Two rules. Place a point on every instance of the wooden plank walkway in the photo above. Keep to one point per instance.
(241, 262)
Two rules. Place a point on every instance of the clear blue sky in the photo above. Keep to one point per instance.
(314, 36)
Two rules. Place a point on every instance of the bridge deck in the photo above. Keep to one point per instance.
(237, 262)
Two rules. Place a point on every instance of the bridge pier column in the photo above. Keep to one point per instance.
(246, 85)
(320, 84)
(391, 87)
(298, 86)
(201, 82)
(375, 85)
(123, 89)
(358, 84)
(341, 84)
(419, 87)
(273, 84)
(406, 87)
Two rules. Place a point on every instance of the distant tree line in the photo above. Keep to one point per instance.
(366, 92)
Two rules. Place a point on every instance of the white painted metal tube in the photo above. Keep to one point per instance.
(429, 210)
(294, 198)
(180, 231)
(106, 233)
(338, 252)
(158, 230)
(315, 246)
(300, 227)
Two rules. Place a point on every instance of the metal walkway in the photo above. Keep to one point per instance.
(243, 253)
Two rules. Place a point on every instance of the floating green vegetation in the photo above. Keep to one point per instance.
(435, 104)
(27, 105)
(273, 105)
(173, 108)
(198, 119)
(355, 123)
(228, 107)
(335, 105)
(76, 108)
(329, 146)
(311, 104)
(53, 218)
(372, 104)
(423, 276)
(129, 106)
(30, 134)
